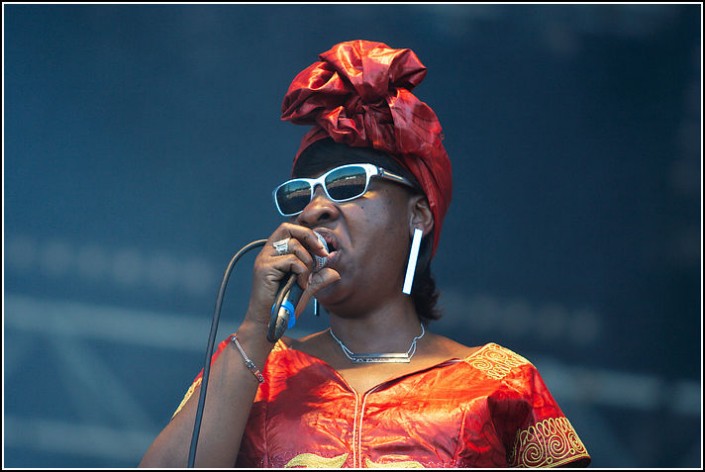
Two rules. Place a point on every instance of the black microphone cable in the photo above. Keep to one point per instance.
(211, 345)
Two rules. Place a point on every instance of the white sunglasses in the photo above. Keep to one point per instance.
(339, 184)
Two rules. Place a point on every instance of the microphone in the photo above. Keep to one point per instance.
(282, 316)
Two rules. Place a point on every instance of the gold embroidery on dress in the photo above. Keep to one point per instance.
(495, 361)
(548, 443)
(317, 462)
(188, 395)
(280, 345)
(394, 465)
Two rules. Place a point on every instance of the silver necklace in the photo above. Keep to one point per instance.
(379, 357)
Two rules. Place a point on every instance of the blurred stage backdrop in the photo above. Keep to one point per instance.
(141, 144)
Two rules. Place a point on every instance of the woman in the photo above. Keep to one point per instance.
(373, 179)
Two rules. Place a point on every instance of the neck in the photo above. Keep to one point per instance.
(380, 357)
(386, 330)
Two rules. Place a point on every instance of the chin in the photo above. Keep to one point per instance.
(332, 295)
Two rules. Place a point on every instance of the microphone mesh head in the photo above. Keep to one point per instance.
(320, 262)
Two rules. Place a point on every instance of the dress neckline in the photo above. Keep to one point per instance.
(282, 346)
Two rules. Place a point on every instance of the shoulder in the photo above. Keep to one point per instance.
(442, 346)
(290, 356)
(489, 352)
(311, 345)
(499, 353)
(497, 362)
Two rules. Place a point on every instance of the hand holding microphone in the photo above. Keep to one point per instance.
(283, 314)
(288, 295)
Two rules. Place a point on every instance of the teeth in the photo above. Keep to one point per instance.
(327, 242)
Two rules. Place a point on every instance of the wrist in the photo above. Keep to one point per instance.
(252, 337)
(249, 363)
(254, 328)
(257, 318)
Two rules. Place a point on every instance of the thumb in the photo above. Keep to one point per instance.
(316, 281)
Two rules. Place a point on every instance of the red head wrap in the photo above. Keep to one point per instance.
(360, 95)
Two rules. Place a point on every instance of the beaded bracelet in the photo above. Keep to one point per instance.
(248, 362)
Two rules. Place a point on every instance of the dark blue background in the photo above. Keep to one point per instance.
(141, 144)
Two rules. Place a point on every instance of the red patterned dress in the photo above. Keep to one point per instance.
(490, 409)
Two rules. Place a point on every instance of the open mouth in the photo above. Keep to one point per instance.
(332, 244)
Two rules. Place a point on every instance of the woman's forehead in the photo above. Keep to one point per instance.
(326, 154)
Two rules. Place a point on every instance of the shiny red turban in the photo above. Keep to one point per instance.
(360, 95)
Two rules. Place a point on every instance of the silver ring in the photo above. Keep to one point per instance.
(282, 246)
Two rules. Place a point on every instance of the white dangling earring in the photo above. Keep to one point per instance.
(413, 256)
(315, 307)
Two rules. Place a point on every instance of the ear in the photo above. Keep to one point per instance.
(420, 215)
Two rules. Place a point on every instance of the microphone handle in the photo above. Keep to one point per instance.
(282, 316)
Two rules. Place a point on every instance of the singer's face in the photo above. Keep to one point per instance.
(369, 242)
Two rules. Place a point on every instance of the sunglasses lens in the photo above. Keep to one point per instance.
(292, 197)
(346, 183)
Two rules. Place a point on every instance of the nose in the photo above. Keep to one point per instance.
(320, 209)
